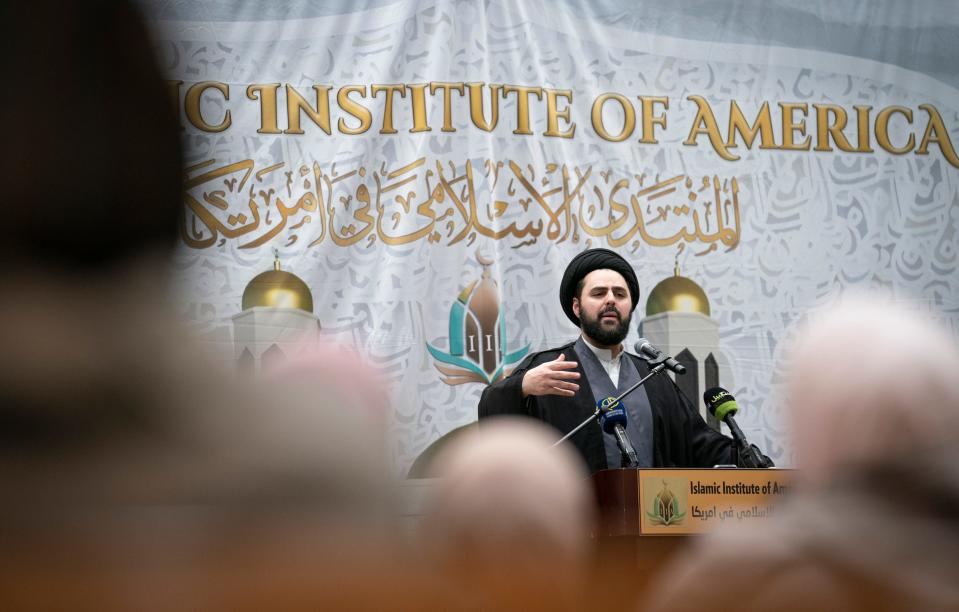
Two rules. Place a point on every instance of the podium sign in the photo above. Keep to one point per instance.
(685, 501)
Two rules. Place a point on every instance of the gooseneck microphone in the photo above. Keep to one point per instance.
(646, 348)
(612, 418)
(721, 404)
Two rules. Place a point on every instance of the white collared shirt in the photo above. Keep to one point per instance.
(609, 363)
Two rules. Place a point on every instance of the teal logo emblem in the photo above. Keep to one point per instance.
(477, 335)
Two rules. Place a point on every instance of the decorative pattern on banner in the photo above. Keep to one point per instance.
(380, 152)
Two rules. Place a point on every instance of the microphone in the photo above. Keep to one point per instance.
(603, 406)
(721, 404)
(612, 418)
(645, 347)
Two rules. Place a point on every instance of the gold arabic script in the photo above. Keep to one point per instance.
(442, 202)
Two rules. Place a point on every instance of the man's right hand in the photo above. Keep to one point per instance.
(552, 378)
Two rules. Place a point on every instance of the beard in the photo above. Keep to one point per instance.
(607, 336)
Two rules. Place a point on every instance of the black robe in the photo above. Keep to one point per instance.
(681, 437)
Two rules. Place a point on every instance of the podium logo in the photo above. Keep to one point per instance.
(665, 509)
(477, 337)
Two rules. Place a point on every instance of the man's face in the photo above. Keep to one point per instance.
(604, 307)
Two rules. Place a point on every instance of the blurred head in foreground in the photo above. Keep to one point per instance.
(91, 143)
(874, 524)
(101, 373)
(138, 474)
(510, 513)
(92, 184)
(870, 382)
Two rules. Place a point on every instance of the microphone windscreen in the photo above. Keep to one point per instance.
(645, 347)
(720, 402)
(610, 417)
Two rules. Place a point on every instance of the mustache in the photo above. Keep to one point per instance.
(610, 309)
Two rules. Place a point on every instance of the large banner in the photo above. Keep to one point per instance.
(427, 169)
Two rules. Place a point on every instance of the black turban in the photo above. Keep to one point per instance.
(586, 262)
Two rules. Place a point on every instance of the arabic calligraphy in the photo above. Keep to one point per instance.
(740, 514)
(442, 202)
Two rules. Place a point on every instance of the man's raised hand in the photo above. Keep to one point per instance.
(552, 378)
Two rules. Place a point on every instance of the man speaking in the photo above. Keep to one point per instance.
(562, 386)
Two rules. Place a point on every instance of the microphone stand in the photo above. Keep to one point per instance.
(745, 452)
(578, 427)
(659, 365)
(753, 457)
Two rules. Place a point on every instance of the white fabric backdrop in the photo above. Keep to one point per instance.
(811, 224)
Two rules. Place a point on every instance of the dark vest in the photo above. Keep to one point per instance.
(639, 423)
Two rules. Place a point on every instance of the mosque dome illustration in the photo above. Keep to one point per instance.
(679, 321)
(277, 288)
(276, 318)
(677, 294)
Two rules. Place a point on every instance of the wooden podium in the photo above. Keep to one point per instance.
(641, 513)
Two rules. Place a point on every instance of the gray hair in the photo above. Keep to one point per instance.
(871, 381)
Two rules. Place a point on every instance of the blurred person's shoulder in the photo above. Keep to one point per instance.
(839, 545)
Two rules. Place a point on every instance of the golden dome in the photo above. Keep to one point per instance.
(277, 289)
(677, 294)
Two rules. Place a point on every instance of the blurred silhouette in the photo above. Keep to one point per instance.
(510, 517)
(873, 523)
(139, 474)
(871, 383)
(90, 150)
(92, 187)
